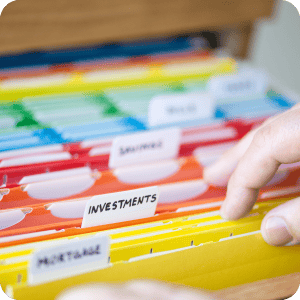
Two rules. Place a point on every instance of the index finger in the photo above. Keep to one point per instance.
(219, 173)
(276, 143)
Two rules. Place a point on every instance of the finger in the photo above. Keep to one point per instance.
(130, 291)
(282, 224)
(115, 292)
(91, 292)
(190, 294)
(219, 173)
(275, 143)
(149, 289)
(135, 290)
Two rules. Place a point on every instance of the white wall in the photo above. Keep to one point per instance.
(277, 45)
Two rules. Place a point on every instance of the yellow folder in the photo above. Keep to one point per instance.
(213, 266)
(126, 246)
(78, 82)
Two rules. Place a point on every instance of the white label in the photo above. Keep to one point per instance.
(145, 147)
(248, 82)
(176, 108)
(120, 207)
(72, 258)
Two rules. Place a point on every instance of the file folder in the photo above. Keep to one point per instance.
(126, 246)
(92, 81)
(14, 165)
(68, 214)
(55, 144)
(190, 266)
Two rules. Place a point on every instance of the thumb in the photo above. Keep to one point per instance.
(282, 224)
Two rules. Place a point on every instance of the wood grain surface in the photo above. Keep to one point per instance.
(32, 24)
(271, 289)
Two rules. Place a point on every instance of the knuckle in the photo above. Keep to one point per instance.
(263, 136)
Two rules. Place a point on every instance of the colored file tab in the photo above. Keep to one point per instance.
(174, 197)
(27, 139)
(97, 152)
(70, 108)
(47, 59)
(101, 114)
(178, 220)
(207, 273)
(90, 81)
(133, 243)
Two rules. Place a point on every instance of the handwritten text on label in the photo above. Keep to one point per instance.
(73, 257)
(246, 83)
(120, 207)
(145, 147)
(181, 107)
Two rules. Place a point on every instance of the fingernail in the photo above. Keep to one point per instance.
(277, 232)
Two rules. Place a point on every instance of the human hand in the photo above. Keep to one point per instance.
(135, 290)
(251, 164)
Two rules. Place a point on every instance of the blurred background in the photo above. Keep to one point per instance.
(269, 28)
(276, 45)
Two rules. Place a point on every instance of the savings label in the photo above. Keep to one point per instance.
(120, 207)
(145, 147)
